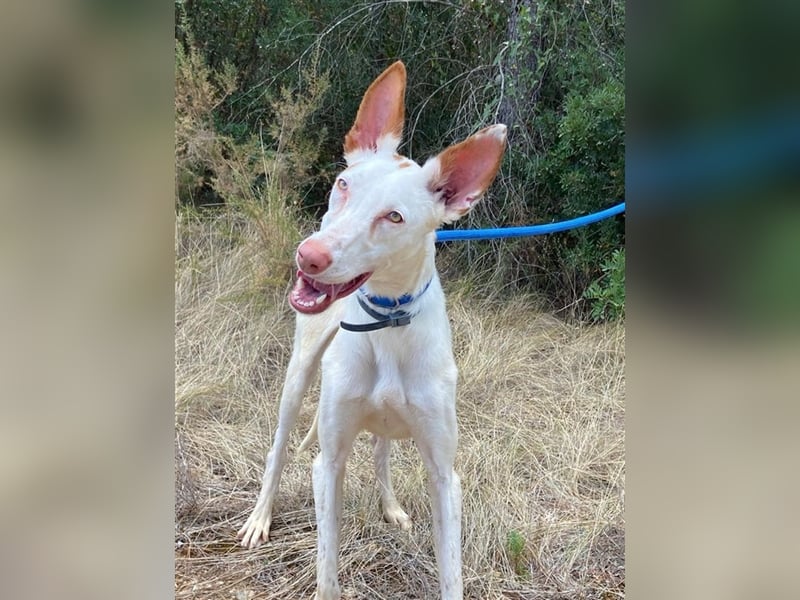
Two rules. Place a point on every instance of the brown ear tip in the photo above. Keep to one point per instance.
(397, 67)
(499, 131)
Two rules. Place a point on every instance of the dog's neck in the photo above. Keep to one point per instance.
(404, 275)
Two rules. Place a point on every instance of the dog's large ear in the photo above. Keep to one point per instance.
(462, 173)
(379, 122)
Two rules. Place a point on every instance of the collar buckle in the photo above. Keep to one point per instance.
(400, 321)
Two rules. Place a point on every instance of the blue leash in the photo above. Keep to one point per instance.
(399, 318)
(528, 230)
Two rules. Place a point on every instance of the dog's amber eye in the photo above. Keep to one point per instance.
(341, 184)
(395, 217)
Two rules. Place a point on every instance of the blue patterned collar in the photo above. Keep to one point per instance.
(395, 318)
(385, 302)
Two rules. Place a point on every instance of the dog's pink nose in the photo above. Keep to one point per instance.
(313, 258)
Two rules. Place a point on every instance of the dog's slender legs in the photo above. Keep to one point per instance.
(445, 490)
(328, 478)
(311, 340)
(392, 511)
(438, 454)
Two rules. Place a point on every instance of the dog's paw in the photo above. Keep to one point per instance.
(254, 532)
(397, 516)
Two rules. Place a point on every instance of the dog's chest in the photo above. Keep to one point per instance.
(387, 407)
(394, 376)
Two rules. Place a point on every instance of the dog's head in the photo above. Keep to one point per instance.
(383, 207)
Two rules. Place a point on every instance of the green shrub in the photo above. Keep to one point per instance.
(607, 293)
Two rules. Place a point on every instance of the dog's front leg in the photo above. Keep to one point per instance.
(436, 437)
(445, 489)
(337, 430)
(312, 336)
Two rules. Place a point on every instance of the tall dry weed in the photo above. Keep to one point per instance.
(200, 151)
(272, 164)
(237, 256)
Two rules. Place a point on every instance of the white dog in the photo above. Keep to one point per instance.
(390, 369)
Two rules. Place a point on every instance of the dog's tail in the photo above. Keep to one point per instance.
(311, 436)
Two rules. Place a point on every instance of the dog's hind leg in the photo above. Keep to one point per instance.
(312, 337)
(392, 511)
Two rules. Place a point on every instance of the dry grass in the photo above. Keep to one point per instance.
(541, 453)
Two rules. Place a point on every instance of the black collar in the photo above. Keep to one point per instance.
(397, 318)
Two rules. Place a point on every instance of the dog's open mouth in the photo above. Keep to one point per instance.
(310, 296)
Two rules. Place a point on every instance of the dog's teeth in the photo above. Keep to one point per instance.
(320, 298)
